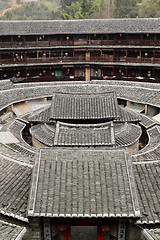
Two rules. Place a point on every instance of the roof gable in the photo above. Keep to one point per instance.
(83, 183)
(78, 106)
(84, 134)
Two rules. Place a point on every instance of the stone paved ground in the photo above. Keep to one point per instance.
(84, 233)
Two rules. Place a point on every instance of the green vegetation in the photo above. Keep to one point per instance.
(34, 10)
(3, 5)
(149, 8)
(126, 8)
(73, 9)
(86, 9)
(79, 10)
(136, 8)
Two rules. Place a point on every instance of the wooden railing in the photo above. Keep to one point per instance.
(81, 59)
(43, 60)
(49, 78)
(53, 78)
(137, 59)
(137, 42)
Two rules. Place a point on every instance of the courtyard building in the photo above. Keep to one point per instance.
(80, 130)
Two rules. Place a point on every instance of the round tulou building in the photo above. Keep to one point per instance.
(80, 130)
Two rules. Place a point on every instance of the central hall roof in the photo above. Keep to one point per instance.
(43, 115)
(84, 134)
(66, 134)
(78, 106)
(82, 26)
(83, 183)
(104, 134)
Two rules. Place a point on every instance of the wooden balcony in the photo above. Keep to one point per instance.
(81, 59)
(136, 42)
(43, 43)
(43, 60)
(53, 78)
(137, 59)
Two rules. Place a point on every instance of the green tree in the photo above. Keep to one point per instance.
(65, 3)
(87, 8)
(72, 12)
(149, 8)
(126, 8)
(102, 6)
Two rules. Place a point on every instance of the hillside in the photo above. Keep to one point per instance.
(73, 9)
(8, 5)
(29, 9)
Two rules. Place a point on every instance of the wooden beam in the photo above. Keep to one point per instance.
(87, 74)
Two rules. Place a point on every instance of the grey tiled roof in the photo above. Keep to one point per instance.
(140, 93)
(16, 127)
(151, 152)
(146, 121)
(44, 133)
(136, 92)
(41, 115)
(10, 231)
(6, 150)
(147, 176)
(154, 140)
(151, 155)
(84, 106)
(84, 135)
(128, 136)
(128, 83)
(127, 115)
(63, 134)
(105, 134)
(83, 183)
(24, 151)
(145, 25)
(14, 188)
(151, 234)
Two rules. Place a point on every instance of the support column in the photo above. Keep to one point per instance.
(154, 53)
(37, 56)
(122, 230)
(47, 229)
(87, 73)
(100, 234)
(37, 40)
(127, 103)
(87, 56)
(36, 229)
(140, 55)
(67, 233)
(49, 55)
(146, 109)
(126, 54)
(127, 72)
(24, 40)
(11, 40)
